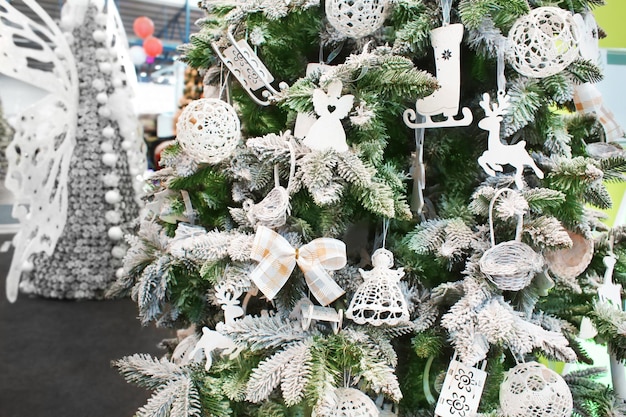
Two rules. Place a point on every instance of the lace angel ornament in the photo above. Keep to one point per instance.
(327, 131)
(379, 300)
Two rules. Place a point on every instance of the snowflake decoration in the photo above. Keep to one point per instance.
(447, 54)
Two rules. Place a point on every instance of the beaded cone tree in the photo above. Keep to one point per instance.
(102, 199)
(6, 134)
(378, 267)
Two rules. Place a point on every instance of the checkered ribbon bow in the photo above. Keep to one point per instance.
(277, 259)
(588, 99)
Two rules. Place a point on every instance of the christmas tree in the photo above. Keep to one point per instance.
(6, 134)
(391, 208)
(95, 163)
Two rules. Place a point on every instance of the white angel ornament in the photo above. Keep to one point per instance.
(327, 131)
(379, 300)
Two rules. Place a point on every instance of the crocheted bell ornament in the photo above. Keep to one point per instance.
(209, 130)
(356, 18)
(532, 390)
(347, 402)
(543, 42)
(379, 300)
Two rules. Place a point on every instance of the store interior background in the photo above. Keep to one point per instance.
(160, 86)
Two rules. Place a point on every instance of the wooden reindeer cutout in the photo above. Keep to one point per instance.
(498, 153)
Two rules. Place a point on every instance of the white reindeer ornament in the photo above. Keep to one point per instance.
(498, 153)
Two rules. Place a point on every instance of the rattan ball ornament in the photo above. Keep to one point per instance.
(543, 42)
(349, 402)
(208, 130)
(356, 18)
(532, 390)
(568, 263)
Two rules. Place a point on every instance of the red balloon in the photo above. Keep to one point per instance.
(143, 27)
(152, 46)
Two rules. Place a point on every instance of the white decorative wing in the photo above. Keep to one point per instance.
(37, 53)
(118, 42)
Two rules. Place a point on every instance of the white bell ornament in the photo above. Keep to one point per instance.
(379, 300)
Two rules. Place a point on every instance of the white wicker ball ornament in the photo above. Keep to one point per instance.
(356, 18)
(349, 402)
(543, 42)
(208, 130)
(532, 390)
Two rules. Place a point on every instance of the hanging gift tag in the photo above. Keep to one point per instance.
(246, 66)
(461, 391)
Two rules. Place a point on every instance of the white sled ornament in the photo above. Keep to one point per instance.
(446, 42)
(498, 153)
(249, 70)
(37, 53)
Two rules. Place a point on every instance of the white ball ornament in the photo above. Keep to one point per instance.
(357, 18)
(118, 252)
(27, 266)
(108, 132)
(209, 130)
(105, 67)
(115, 233)
(117, 82)
(112, 197)
(126, 145)
(109, 159)
(113, 216)
(104, 111)
(102, 98)
(543, 42)
(532, 390)
(98, 84)
(119, 273)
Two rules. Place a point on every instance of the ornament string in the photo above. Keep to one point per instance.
(292, 165)
(446, 7)
(501, 79)
(385, 230)
(188, 207)
(520, 217)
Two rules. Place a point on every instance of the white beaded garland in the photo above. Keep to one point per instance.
(532, 390)
(356, 18)
(543, 42)
(105, 67)
(209, 130)
(115, 233)
(119, 273)
(109, 159)
(126, 145)
(112, 197)
(27, 266)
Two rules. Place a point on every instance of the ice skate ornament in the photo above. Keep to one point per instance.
(277, 259)
(446, 42)
(498, 153)
(461, 391)
(40, 153)
(379, 300)
(211, 341)
(327, 131)
(248, 69)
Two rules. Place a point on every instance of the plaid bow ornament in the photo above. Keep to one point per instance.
(277, 259)
(588, 99)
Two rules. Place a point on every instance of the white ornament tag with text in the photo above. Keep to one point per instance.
(461, 391)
